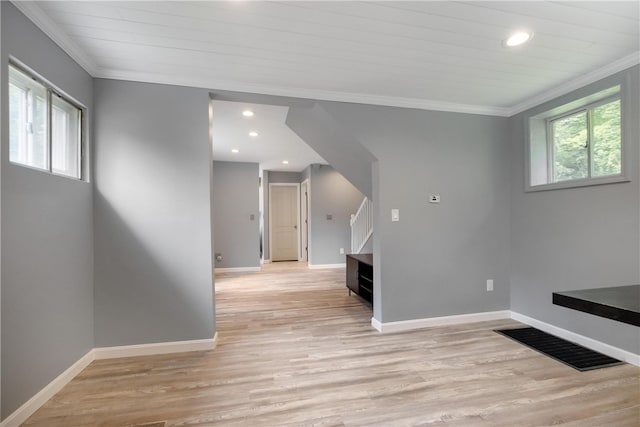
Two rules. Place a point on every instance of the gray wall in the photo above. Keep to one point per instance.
(47, 238)
(435, 261)
(273, 177)
(235, 199)
(330, 194)
(576, 238)
(152, 214)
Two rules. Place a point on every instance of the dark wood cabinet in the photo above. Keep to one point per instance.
(360, 275)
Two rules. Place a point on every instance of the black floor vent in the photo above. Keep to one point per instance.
(563, 351)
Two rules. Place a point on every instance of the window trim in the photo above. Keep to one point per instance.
(621, 80)
(52, 91)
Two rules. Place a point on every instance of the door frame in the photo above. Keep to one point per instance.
(297, 187)
(304, 226)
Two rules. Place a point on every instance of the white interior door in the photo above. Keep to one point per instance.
(284, 222)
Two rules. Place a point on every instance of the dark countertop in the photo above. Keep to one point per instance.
(621, 303)
(364, 258)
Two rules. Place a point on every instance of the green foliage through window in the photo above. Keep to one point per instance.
(606, 140)
(587, 143)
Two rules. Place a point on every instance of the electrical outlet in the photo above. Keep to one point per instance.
(434, 198)
(341, 251)
(489, 285)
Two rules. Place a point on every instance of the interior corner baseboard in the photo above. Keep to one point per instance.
(21, 414)
(406, 325)
(237, 269)
(321, 266)
(155, 348)
(590, 343)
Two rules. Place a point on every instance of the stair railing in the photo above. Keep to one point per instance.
(361, 226)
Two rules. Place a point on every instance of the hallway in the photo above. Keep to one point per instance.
(283, 297)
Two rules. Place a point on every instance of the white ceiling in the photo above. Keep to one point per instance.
(275, 141)
(435, 55)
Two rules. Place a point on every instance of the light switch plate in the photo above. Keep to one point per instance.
(489, 285)
(395, 215)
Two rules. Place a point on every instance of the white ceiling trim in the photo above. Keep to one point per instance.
(320, 95)
(51, 29)
(40, 19)
(577, 83)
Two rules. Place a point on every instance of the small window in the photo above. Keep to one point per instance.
(587, 143)
(577, 144)
(45, 129)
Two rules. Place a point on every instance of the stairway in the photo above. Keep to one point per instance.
(361, 226)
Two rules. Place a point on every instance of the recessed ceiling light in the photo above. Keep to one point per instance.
(518, 38)
(253, 133)
(285, 162)
(235, 150)
(247, 113)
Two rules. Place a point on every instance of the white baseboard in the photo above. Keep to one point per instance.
(595, 345)
(21, 414)
(237, 270)
(376, 324)
(321, 266)
(266, 261)
(599, 346)
(155, 348)
(406, 325)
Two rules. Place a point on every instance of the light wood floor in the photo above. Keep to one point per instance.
(295, 350)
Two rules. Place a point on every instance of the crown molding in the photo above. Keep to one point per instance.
(577, 83)
(318, 95)
(32, 11)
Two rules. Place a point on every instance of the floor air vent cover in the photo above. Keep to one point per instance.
(563, 351)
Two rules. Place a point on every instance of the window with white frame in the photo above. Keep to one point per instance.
(578, 143)
(45, 128)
